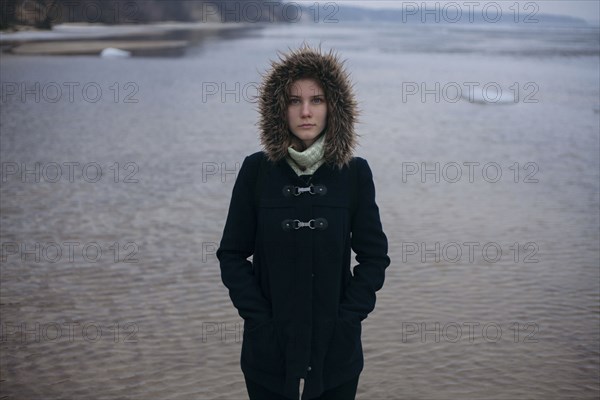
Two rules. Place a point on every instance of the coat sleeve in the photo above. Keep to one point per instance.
(237, 244)
(369, 242)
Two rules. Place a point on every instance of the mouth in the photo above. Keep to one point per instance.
(307, 125)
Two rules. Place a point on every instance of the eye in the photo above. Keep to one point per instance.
(294, 100)
(318, 100)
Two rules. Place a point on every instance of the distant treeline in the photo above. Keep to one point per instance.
(43, 14)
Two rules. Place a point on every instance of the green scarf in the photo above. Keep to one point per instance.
(309, 160)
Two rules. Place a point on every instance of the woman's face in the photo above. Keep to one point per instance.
(307, 110)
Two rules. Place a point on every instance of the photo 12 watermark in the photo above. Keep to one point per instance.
(219, 171)
(229, 92)
(455, 12)
(69, 252)
(68, 171)
(468, 331)
(472, 92)
(55, 332)
(69, 92)
(470, 252)
(228, 332)
(269, 11)
(48, 13)
(469, 171)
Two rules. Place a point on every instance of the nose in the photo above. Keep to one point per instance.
(306, 112)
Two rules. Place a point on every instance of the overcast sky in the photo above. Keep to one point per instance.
(586, 9)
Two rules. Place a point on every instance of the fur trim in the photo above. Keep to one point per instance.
(342, 110)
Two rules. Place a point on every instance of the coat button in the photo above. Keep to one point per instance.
(309, 368)
(313, 275)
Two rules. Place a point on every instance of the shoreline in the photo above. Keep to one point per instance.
(163, 38)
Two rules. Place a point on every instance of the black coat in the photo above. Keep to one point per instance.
(302, 307)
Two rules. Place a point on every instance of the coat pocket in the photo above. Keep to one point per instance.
(260, 347)
(345, 346)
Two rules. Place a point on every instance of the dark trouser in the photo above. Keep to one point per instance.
(346, 391)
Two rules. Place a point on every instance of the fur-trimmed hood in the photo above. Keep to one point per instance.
(342, 110)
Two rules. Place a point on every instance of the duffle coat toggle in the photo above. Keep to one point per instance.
(289, 190)
(318, 223)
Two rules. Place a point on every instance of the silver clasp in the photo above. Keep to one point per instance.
(319, 223)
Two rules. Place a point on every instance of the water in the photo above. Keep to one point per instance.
(523, 323)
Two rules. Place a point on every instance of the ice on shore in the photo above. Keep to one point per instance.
(111, 52)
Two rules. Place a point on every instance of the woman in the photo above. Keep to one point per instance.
(299, 207)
